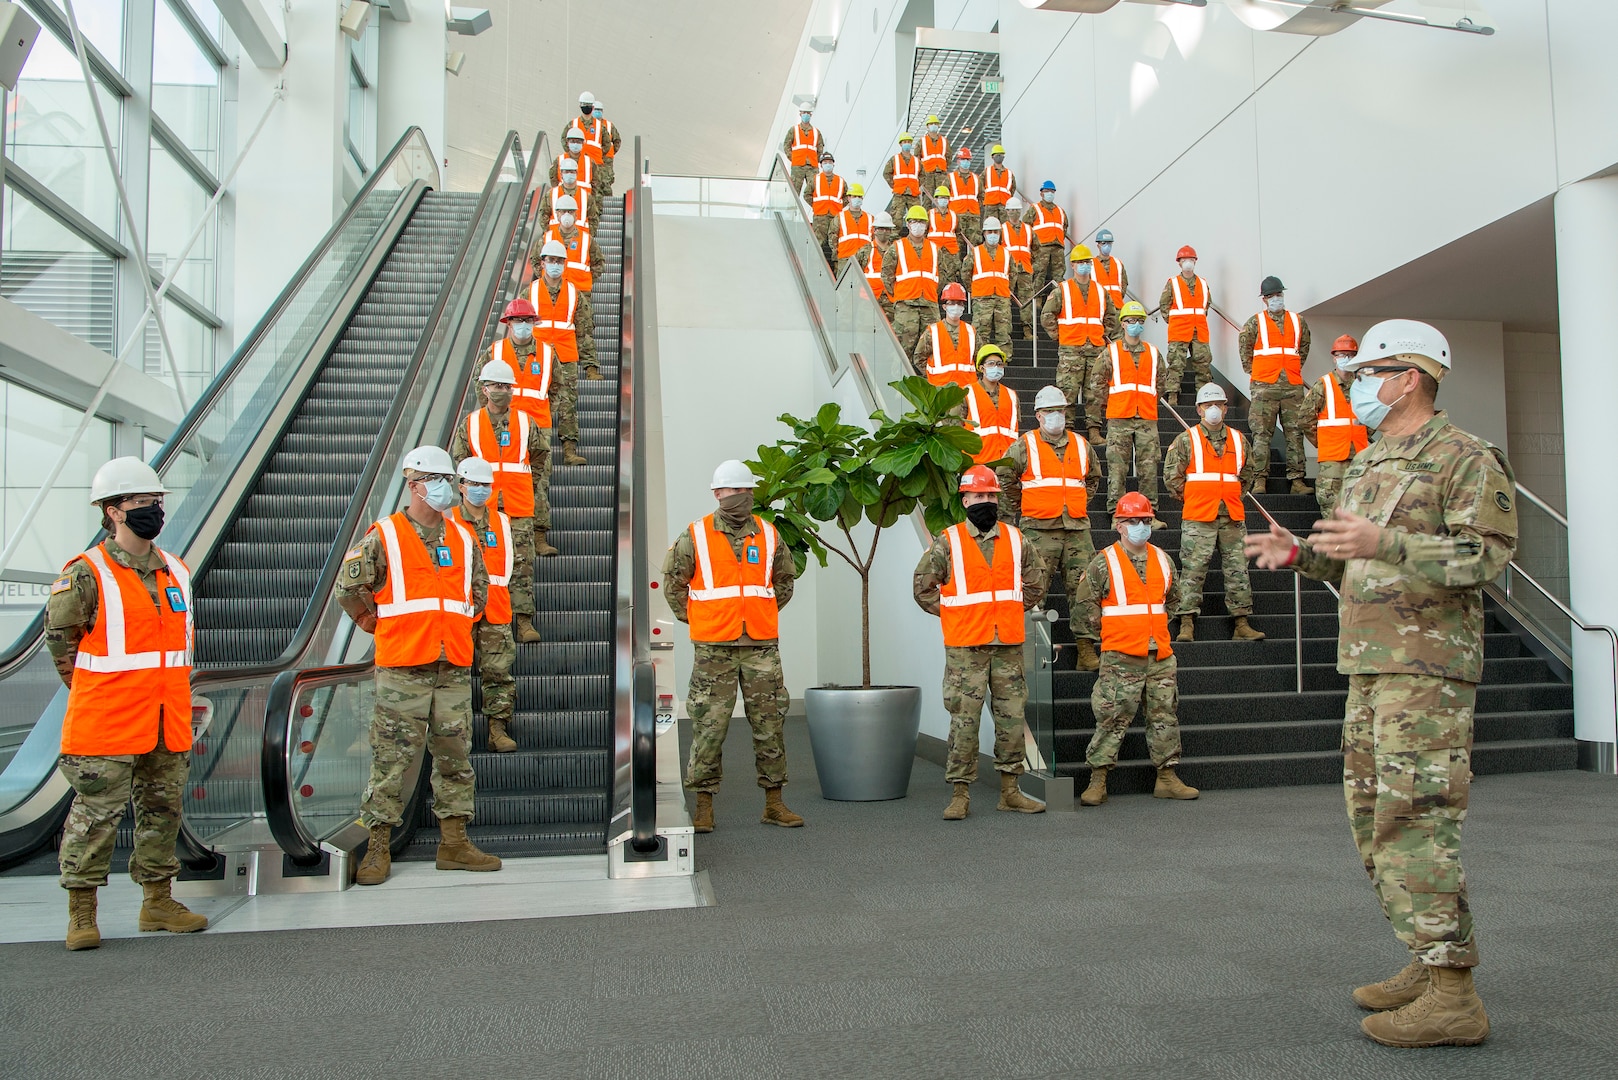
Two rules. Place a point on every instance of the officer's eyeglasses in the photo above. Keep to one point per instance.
(427, 478)
(1385, 369)
(137, 502)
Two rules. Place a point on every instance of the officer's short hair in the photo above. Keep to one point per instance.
(1429, 386)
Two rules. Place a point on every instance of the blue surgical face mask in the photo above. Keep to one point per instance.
(1138, 532)
(1134, 329)
(1371, 409)
(1106, 249)
(993, 373)
(439, 493)
(522, 332)
(1275, 304)
(478, 494)
(553, 270)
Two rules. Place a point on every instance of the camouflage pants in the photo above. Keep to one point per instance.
(971, 674)
(1201, 358)
(1066, 553)
(428, 704)
(102, 786)
(1050, 264)
(969, 228)
(991, 318)
(1073, 378)
(1285, 400)
(1022, 290)
(522, 570)
(605, 175)
(1122, 685)
(1407, 774)
(565, 402)
(1097, 380)
(824, 228)
(1329, 485)
(1135, 439)
(930, 183)
(541, 466)
(803, 176)
(716, 671)
(496, 654)
(898, 206)
(910, 318)
(1198, 540)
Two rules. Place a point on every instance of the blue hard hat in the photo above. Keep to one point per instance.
(1104, 236)
(1049, 185)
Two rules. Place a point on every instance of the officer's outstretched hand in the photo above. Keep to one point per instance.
(1346, 536)
(1271, 550)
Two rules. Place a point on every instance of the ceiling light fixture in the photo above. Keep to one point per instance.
(1464, 25)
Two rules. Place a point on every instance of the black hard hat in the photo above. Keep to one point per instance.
(1270, 286)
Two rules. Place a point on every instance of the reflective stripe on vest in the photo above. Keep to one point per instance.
(724, 612)
(410, 605)
(934, 153)
(1050, 484)
(982, 600)
(941, 229)
(1272, 356)
(995, 276)
(1018, 239)
(1339, 435)
(499, 560)
(828, 199)
(995, 424)
(531, 396)
(1049, 226)
(952, 362)
(914, 279)
(1078, 325)
(1136, 395)
(1214, 478)
(998, 185)
(590, 131)
(577, 270)
(852, 232)
(1189, 314)
(1110, 279)
(873, 272)
(805, 148)
(906, 178)
(963, 200)
(555, 326)
(513, 474)
(1135, 612)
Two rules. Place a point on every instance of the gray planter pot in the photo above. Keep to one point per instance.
(864, 740)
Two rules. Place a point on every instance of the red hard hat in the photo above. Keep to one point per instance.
(953, 291)
(964, 154)
(1133, 505)
(519, 309)
(1346, 343)
(1187, 252)
(979, 478)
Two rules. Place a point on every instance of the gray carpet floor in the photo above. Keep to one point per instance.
(1217, 938)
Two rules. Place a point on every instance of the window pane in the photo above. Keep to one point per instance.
(177, 204)
(102, 23)
(35, 429)
(51, 272)
(208, 15)
(185, 87)
(193, 344)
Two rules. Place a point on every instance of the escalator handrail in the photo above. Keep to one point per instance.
(274, 764)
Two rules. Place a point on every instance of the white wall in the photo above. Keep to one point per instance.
(1534, 414)
(412, 78)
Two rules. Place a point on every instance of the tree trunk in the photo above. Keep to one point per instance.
(865, 625)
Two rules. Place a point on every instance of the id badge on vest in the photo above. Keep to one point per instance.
(176, 598)
(752, 553)
(533, 367)
(505, 438)
(443, 556)
(489, 539)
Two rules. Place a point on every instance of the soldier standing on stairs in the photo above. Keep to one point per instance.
(979, 577)
(495, 650)
(1080, 316)
(417, 582)
(1329, 422)
(1210, 469)
(1123, 602)
(564, 321)
(1185, 302)
(726, 577)
(1274, 348)
(1049, 485)
(1428, 516)
(911, 271)
(1129, 368)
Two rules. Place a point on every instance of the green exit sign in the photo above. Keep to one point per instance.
(991, 86)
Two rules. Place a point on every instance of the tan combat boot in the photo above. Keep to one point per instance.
(1301, 487)
(160, 911)
(570, 453)
(1012, 798)
(500, 741)
(1244, 631)
(522, 630)
(1395, 992)
(592, 373)
(457, 852)
(960, 803)
(1449, 1013)
(1096, 792)
(542, 545)
(1096, 438)
(702, 816)
(378, 858)
(1172, 397)
(776, 812)
(1087, 660)
(1170, 786)
(1188, 628)
(82, 932)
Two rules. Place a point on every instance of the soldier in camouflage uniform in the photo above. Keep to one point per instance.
(1137, 660)
(418, 705)
(1277, 388)
(611, 142)
(1427, 519)
(1132, 435)
(1349, 438)
(1078, 366)
(911, 316)
(549, 269)
(902, 200)
(982, 640)
(991, 298)
(495, 650)
(1207, 523)
(802, 162)
(110, 757)
(734, 640)
(568, 186)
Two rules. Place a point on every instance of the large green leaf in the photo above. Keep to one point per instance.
(899, 460)
(826, 419)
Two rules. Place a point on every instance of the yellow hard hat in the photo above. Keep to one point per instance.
(933, 119)
(1080, 253)
(904, 136)
(942, 190)
(915, 213)
(857, 189)
(1132, 310)
(997, 149)
(989, 350)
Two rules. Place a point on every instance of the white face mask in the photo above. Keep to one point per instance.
(1053, 423)
(855, 202)
(570, 180)
(1188, 266)
(567, 218)
(953, 311)
(992, 373)
(1275, 304)
(918, 229)
(1214, 415)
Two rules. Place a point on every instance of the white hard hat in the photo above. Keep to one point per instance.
(1014, 203)
(553, 249)
(125, 476)
(991, 222)
(474, 470)
(587, 98)
(573, 135)
(601, 105)
(1210, 392)
(1406, 339)
(565, 202)
(1049, 398)
(884, 220)
(568, 165)
(429, 459)
(733, 474)
(498, 371)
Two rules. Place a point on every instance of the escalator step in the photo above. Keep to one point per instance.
(527, 770)
(573, 596)
(564, 691)
(564, 658)
(593, 519)
(265, 584)
(556, 728)
(565, 568)
(557, 626)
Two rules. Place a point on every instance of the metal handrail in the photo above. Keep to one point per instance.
(1573, 617)
(1556, 515)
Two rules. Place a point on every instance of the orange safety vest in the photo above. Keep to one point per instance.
(586, 170)
(906, 178)
(728, 596)
(532, 394)
(499, 558)
(1339, 435)
(991, 274)
(608, 150)
(578, 255)
(951, 362)
(997, 189)
(1082, 321)
(934, 153)
(1049, 226)
(941, 230)
(132, 676)
(828, 198)
(1109, 274)
(581, 195)
(424, 610)
(1134, 613)
(995, 424)
(805, 147)
(1050, 484)
(873, 272)
(1188, 318)
(507, 455)
(852, 232)
(591, 130)
(1018, 239)
(554, 326)
(981, 600)
(1276, 350)
(915, 277)
(1214, 478)
(1133, 390)
(963, 199)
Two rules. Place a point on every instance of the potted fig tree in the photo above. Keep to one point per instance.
(818, 486)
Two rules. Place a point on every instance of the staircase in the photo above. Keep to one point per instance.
(1242, 721)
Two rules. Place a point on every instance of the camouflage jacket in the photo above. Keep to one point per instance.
(1085, 606)
(1123, 278)
(924, 342)
(1177, 461)
(539, 441)
(933, 571)
(584, 320)
(1249, 337)
(1445, 502)
(1314, 402)
(1052, 310)
(786, 143)
(365, 568)
(1030, 216)
(887, 167)
(70, 613)
(949, 264)
(585, 199)
(681, 562)
(598, 261)
(1011, 482)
